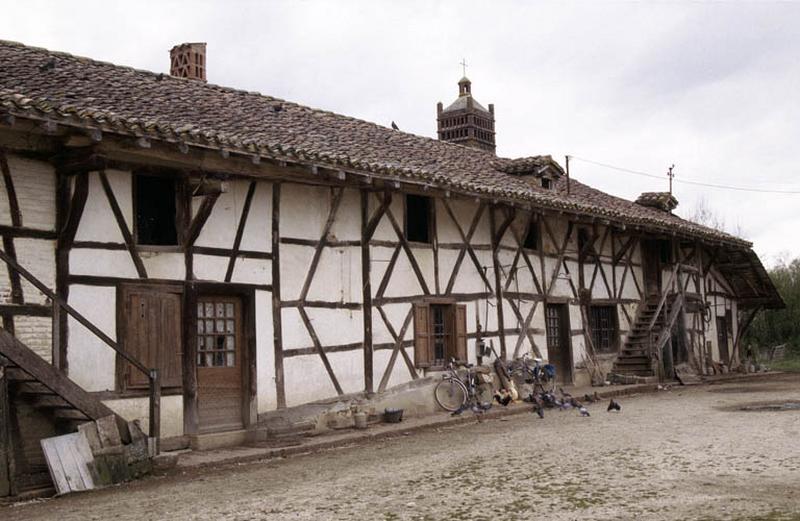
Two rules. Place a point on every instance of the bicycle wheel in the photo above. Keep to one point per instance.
(450, 394)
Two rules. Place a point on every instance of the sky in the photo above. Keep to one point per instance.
(710, 87)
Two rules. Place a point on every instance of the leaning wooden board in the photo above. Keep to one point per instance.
(69, 459)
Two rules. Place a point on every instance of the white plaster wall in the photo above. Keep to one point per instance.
(36, 333)
(98, 222)
(307, 380)
(91, 361)
(39, 257)
(252, 271)
(219, 230)
(347, 225)
(304, 210)
(164, 265)
(265, 353)
(35, 185)
(210, 267)
(138, 409)
(108, 263)
(257, 234)
(337, 277)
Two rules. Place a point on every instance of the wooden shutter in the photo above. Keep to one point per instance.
(422, 342)
(152, 334)
(461, 332)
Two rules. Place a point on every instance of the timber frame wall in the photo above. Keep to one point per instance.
(322, 260)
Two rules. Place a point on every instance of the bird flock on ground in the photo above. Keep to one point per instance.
(544, 400)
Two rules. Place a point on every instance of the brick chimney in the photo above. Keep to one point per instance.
(188, 60)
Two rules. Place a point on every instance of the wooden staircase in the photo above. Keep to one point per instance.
(47, 389)
(634, 359)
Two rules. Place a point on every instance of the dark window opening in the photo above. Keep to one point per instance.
(155, 211)
(418, 218)
(665, 252)
(547, 183)
(603, 324)
(532, 237)
(583, 239)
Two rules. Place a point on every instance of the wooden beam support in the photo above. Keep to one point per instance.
(277, 321)
(367, 227)
(237, 241)
(123, 226)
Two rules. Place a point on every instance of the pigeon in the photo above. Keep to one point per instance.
(584, 411)
(564, 394)
(459, 410)
(588, 399)
(394, 126)
(538, 406)
(614, 406)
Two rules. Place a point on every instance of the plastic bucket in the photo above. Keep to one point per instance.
(393, 415)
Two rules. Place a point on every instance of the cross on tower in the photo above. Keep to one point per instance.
(463, 64)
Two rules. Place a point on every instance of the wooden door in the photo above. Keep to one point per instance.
(651, 268)
(151, 325)
(558, 341)
(220, 363)
(722, 340)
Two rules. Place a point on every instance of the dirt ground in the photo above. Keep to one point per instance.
(687, 453)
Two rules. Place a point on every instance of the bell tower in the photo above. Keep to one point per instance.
(465, 121)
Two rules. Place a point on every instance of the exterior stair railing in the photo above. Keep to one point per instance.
(677, 301)
(59, 304)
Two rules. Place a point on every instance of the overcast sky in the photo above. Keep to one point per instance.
(712, 87)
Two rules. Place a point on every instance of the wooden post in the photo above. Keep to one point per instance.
(191, 417)
(5, 438)
(277, 330)
(155, 408)
(498, 287)
(56, 336)
(366, 292)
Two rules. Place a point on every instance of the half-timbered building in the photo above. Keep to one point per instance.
(197, 255)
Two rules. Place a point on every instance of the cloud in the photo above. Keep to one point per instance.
(709, 86)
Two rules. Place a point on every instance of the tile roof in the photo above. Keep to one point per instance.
(79, 91)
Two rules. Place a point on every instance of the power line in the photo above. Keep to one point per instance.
(686, 181)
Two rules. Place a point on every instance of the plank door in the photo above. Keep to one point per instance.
(558, 344)
(651, 268)
(220, 365)
(722, 340)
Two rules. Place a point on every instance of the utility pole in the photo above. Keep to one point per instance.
(670, 174)
(567, 162)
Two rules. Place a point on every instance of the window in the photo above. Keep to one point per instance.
(418, 218)
(440, 333)
(603, 324)
(151, 332)
(155, 211)
(665, 252)
(583, 240)
(216, 333)
(532, 236)
(547, 183)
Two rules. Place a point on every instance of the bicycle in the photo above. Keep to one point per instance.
(543, 377)
(454, 392)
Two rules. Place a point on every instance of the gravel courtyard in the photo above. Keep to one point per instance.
(688, 453)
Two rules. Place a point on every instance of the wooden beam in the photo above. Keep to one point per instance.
(367, 227)
(123, 226)
(277, 321)
(318, 346)
(398, 347)
(237, 241)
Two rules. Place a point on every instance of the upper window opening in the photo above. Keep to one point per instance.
(532, 237)
(547, 183)
(155, 211)
(583, 238)
(418, 218)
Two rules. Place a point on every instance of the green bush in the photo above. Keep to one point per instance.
(781, 326)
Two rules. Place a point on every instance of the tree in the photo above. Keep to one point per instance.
(779, 326)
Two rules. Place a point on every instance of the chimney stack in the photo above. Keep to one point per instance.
(188, 60)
